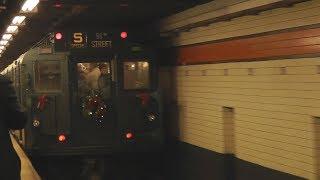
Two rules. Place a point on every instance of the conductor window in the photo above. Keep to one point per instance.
(47, 76)
(136, 75)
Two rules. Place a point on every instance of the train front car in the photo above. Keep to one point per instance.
(104, 100)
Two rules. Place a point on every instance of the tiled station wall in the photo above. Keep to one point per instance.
(302, 14)
(264, 111)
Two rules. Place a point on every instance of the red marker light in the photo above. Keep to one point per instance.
(129, 135)
(62, 138)
(58, 36)
(57, 5)
(124, 35)
(145, 98)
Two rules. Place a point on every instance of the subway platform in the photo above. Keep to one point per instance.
(28, 172)
(179, 161)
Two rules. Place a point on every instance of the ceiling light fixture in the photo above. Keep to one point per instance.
(29, 5)
(12, 29)
(18, 20)
(4, 42)
(7, 37)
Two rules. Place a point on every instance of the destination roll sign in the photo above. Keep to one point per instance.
(97, 40)
(78, 40)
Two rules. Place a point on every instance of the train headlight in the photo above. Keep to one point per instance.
(62, 138)
(36, 123)
(58, 36)
(151, 117)
(129, 135)
(124, 35)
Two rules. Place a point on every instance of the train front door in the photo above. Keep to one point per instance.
(93, 117)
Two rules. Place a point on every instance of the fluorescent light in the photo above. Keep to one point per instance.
(12, 29)
(29, 5)
(18, 20)
(3, 42)
(7, 37)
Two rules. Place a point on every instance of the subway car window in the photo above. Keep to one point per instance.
(136, 75)
(94, 79)
(48, 76)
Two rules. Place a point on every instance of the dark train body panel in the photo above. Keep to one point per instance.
(89, 100)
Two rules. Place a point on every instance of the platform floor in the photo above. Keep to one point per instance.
(177, 161)
(27, 170)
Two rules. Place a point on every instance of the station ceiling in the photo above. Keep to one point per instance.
(57, 14)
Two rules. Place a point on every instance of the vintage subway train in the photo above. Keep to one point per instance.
(88, 93)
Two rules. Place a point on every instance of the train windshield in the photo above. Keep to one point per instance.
(94, 79)
(48, 75)
(136, 75)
